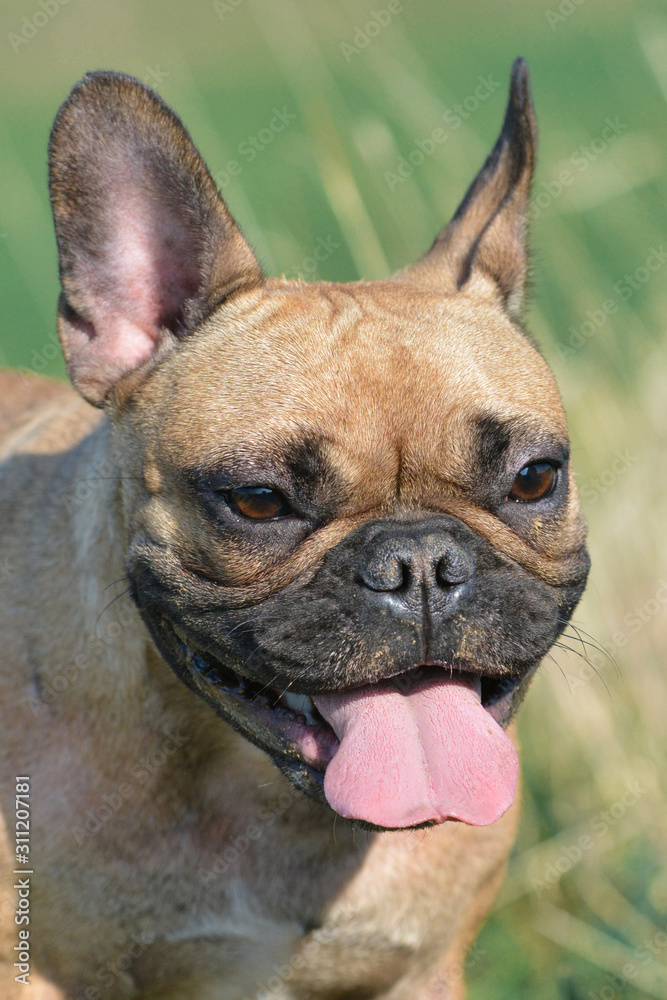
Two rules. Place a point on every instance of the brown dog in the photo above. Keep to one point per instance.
(349, 534)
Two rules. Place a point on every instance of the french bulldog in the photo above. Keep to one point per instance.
(274, 584)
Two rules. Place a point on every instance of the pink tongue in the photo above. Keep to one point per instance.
(431, 754)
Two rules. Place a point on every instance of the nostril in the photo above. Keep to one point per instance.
(452, 568)
(407, 566)
(390, 572)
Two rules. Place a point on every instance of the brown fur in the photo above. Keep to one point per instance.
(155, 904)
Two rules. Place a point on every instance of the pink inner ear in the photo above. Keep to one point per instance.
(152, 260)
(130, 290)
(137, 286)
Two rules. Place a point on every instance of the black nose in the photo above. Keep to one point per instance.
(414, 562)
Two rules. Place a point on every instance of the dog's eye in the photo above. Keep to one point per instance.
(258, 502)
(535, 482)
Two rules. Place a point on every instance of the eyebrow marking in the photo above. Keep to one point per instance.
(493, 440)
(496, 438)
(298, 464)
(307, 462)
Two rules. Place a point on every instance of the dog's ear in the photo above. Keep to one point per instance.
(484, 248)
(147, 248)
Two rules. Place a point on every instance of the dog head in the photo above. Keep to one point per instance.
(349, 520)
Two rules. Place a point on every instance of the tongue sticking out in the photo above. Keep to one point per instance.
(433, 753)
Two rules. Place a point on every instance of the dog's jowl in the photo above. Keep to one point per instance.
(274, 583)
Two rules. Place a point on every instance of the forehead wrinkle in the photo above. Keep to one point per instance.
(380, 367)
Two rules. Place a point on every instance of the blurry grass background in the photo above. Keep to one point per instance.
(584, 909)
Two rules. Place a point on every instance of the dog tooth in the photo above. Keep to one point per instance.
(301, 703)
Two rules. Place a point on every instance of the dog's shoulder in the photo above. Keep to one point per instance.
(21, 396)
(40, 414)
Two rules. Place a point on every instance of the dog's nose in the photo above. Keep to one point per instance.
(413, 563)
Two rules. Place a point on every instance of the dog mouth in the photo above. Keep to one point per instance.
(414, 749)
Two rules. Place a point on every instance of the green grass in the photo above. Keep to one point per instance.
(585, 734)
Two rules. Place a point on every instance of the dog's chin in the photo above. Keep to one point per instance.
(289, 726)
